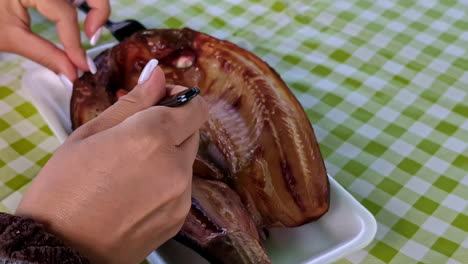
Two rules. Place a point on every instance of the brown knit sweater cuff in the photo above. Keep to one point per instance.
(22, 240)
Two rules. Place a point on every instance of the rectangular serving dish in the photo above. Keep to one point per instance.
(345, 228)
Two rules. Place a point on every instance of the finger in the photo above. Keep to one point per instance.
(141, 97)
(189, 148)
(174, 125)
(173, 89)
(96, 18)
(44, 52)
(64, 15)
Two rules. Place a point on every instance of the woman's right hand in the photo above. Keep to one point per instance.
(120, 186)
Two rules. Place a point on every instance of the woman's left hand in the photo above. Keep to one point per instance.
(17, 37)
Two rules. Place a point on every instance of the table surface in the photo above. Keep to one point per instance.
(384, 83)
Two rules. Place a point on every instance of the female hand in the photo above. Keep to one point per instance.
(120, 186)
(18, 38)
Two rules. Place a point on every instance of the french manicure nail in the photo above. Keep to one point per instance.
(91, 65)
(65, 81)
(146, 73)
(95, 38)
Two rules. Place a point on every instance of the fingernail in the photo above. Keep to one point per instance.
(91, 65)
(95, 38)
(146, 73)
(65, 81)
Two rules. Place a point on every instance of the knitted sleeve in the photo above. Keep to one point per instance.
(24, 241)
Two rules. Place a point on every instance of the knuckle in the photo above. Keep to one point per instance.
(106, 9)
(144, 140)
(85, 129)
(7, 44)
(47, 61)
(180, 219)
(176, 228)
(73, 49)
(131, 98)
(180, 225)
(165, 124)
(68, 13)
(135, 132)
(165, 118)
(201, 103)
(205, 109)
(185, 207)
(54, 60)
(203, 106)
(180, 187)
(72, 14)
(142, 143)
(148, 138)
(181, 182)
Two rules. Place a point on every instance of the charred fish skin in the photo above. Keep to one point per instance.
(231, 248)
(219, 228)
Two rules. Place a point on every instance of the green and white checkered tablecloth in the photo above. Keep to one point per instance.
(384, 82)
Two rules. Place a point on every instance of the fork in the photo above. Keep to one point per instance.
(120, 30)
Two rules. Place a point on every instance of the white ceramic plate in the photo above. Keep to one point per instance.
(345, 228)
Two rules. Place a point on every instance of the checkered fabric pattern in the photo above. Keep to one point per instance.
(384, 82)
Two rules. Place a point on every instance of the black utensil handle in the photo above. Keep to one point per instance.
(180, 98)
(85, 8)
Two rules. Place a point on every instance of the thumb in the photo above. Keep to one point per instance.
(97, 16)
(147, 93)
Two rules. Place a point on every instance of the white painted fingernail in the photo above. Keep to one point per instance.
(95, 38)
(146, 73)
(91, 65)
(65, 81)
(80, 73)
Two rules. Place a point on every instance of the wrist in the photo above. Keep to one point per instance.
(58, 228)
(25, 240)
